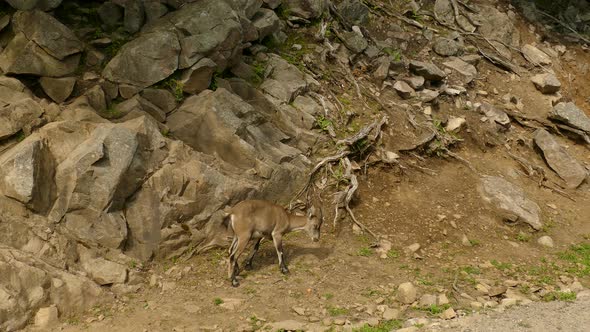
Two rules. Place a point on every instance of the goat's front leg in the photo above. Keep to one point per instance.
(277, 239)
(234, 257)
(248, 265)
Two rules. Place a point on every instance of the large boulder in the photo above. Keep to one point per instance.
(18, 116)
(510, 201)
(499, 29)
(26, 174)
(354, 11)
(41, 46)
(145, 60)
(308, 9)
(44, 5)
(567, 167)
(569, 114)
(28, 283)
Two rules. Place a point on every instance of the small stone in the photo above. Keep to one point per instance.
(58, 89)
(168, 286)
(404, 89)
(535, 56)
(428, 70)
(546, 83)
(509, 302)
(455, 124)
(339, 321)
(390, 314)
(427, 300)
(576, 286)
(465, 241)
(46, 317)
(373, 321)
(511, 283)
(448, 314)
(546, 241)
(482, 288)
(497, 291)
(406, 293)
(297, 47)
(416, 82)
(428, 95)
(298, 310)
(442, 299)
(476, 305)
(445, 47)
(413, 247)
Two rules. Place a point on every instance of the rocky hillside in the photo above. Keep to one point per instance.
(128, 126)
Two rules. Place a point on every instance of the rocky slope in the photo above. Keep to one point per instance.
(128, 126)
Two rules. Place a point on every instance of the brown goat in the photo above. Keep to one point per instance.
(257, 219)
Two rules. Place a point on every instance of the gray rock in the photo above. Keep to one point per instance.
(391, 314)
(496, 25)
(404, 89)
(571, 115)
(382, 71)
(161, 98)
(152, 109)
(104, 272)
(308, 9)
(354, 11)
(48, 33)
(427, 300)
(427, 70)
(535, 56)
(495, 115)
(444, 12)
(154, 9)
(58, 89)
(96, 98)
(134, 15)
(288, 325)
(46, 317)
(26, 174)
(546, 83)
(546, 241)
(110, 14)
(463, 68)
(496, 291)
(406, 293)
(455, 123)
(266, 22)
(416, 82)
(448, 314)
(354, 41)
(510, 201)
(145, 60)
(127, 91)
(427, 95)
(23, 56)
(44, 5)
(446, 47)
(17, 116)
(245, 8)
(273, 4)
(567, 167)
(285, 82)
(198, 77)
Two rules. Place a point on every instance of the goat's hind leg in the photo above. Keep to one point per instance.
(277, 239)
(232, 253)
(238, 250)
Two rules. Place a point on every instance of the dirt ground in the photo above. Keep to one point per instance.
(434, 203)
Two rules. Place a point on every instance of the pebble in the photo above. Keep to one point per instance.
(406, 293)
(442, 299)
(546, 241)
(391, 313)
(298, 310)
(413, 247)
(448, 314)
(509, 302)
(373, 321)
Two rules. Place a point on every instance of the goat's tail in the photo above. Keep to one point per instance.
(226, 221)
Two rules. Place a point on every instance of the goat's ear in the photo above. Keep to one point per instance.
(311, 211)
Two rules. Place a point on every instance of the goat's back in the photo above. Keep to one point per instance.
(257, 216)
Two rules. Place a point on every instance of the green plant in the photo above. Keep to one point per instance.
(337, 311)
(217, 301)
(328, 296)
(385, 326)
(522, 237)
(471, 269)
(501, 266)
(474, 242)
(20, 136)
(395, 54)
(392, 253)
(324, 123)
(560, 296)
(365, 252)
(578, 259)
(259, 69)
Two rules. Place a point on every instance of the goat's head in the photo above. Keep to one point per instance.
(314, 223)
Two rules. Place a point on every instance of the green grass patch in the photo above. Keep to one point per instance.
(337, 311)
(392, 253)
(560, 296)
(471, 269)
(217, 301)
(364, 252)
(577, 258)
(385, 326)
(501, 266)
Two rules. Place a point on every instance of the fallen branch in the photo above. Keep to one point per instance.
(564, 25)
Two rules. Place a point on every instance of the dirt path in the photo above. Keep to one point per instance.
(535, 317)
